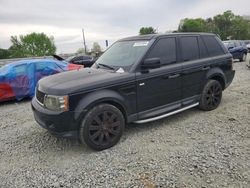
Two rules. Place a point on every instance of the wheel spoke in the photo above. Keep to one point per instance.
(113, 132)
(112, 117)
(95, 135)
(94, 127)
(212, 89)
(98, 120)
(213, 103)
(105, 116)
(100, 139)
(115, 124)
(217, 92)
(107, 136)
(209, 100)
(215, 100)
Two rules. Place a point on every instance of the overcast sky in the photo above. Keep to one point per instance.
(102, 20)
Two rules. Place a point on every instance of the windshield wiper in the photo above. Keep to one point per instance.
(107, 66)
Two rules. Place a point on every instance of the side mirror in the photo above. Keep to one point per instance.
(151, 63)
(229, 48)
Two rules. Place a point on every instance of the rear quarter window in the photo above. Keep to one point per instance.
(213, 46)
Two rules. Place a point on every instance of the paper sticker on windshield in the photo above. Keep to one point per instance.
(140, 44)
(120, 70)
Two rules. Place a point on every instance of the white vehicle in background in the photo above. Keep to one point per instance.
(247, 43)
(248, 47)
(248, 63)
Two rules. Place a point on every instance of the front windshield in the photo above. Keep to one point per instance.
(123, 53)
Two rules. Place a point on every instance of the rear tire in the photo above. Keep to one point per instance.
(211, 95)
(102, 127)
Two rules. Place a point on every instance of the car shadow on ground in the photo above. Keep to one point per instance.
(12, 102)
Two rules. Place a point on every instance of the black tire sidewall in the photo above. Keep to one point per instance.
(84, 127)
(203, 104)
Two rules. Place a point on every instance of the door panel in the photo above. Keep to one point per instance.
(193, 77)
(158, 87)
(193, 68)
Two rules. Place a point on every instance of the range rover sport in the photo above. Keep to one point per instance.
(138, 79)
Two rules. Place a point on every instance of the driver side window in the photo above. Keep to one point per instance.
(165, 49)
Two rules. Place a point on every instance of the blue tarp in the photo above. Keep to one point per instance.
(22, 76)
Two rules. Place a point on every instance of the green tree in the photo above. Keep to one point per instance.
(4, 53)
(240, 28)
(34, 44)
(226, 25)
(96, 48)
(192, 25)
(223, 23)
(82, 51)
(147, 30)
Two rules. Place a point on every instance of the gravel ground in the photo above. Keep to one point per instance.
(190, 149)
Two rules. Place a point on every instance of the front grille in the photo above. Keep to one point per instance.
(40, 96)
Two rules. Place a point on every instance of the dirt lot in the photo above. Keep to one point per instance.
(190, 149)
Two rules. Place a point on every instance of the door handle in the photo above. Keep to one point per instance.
(174, 76)
(205, 68)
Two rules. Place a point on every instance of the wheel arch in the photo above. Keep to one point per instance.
(99, 97)
(217, 74)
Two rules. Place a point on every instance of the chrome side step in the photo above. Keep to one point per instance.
(166, 115)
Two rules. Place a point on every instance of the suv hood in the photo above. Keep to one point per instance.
(81, 80)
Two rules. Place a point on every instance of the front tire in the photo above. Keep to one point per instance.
(211, 95)
(102, 127)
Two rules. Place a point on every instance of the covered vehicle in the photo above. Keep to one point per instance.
(18, 79)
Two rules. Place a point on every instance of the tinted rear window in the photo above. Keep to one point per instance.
(213, 46)
(189, 47)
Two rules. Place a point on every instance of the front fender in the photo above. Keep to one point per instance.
(96, 97)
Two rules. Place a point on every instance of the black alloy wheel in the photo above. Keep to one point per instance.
(211, 95)
(102, 127)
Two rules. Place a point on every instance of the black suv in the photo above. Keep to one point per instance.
(138, 79)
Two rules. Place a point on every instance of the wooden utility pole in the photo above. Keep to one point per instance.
(84, 42)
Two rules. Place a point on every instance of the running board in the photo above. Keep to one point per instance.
(166, 115)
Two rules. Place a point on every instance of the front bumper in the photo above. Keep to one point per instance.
(58, 123)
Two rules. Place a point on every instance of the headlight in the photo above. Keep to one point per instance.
(56, 103)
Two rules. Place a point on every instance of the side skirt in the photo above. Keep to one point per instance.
(166, 115)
